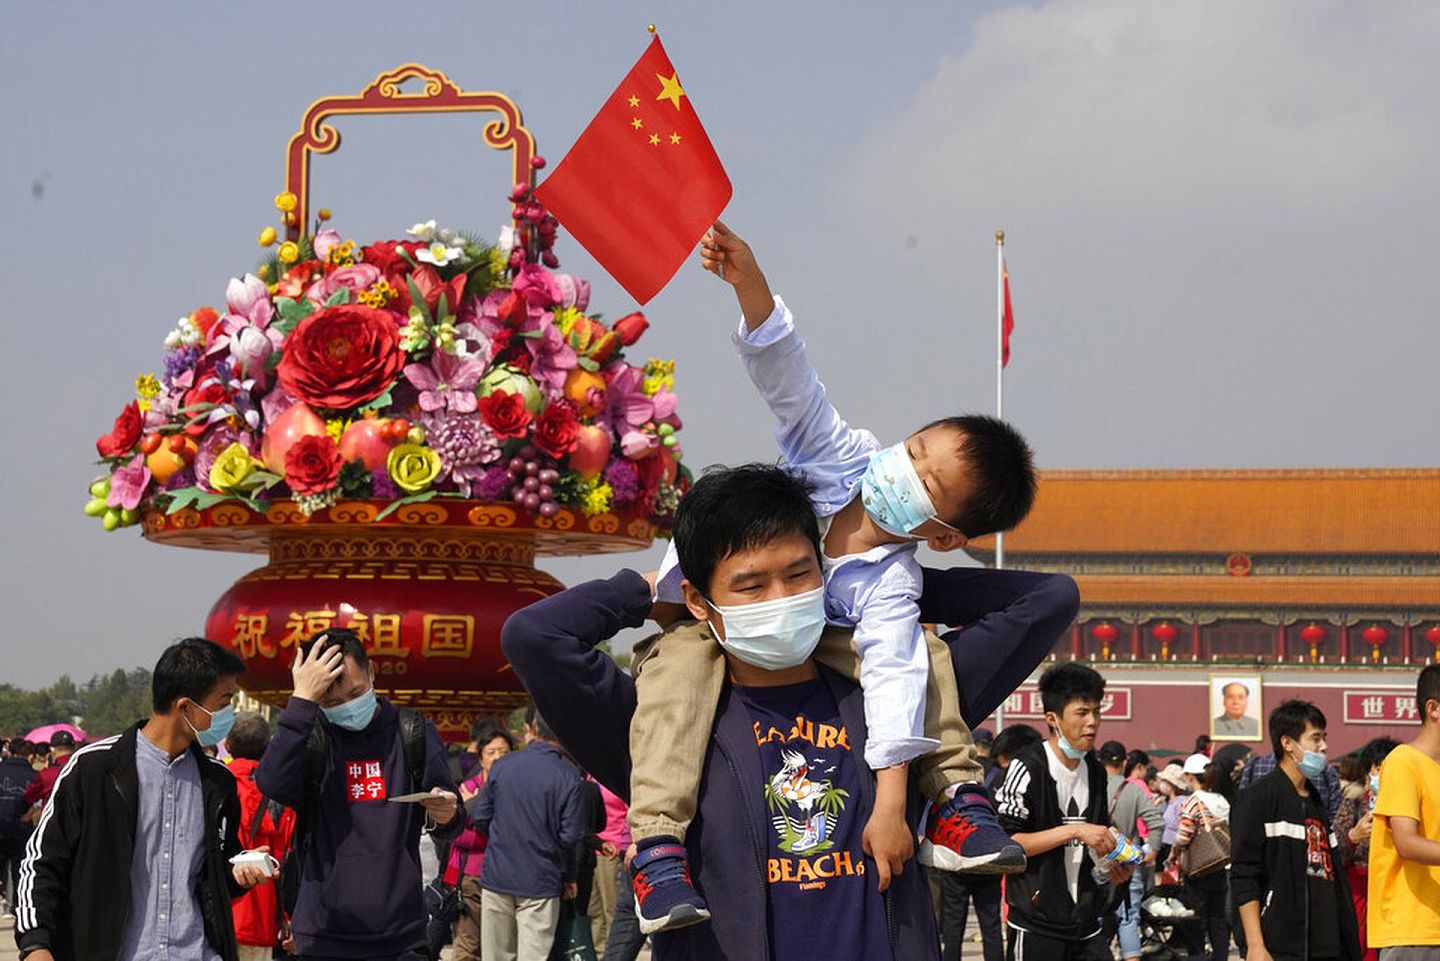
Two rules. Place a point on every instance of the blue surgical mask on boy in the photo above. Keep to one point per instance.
(893, 494)
(1311, 764)
(1068, 749)
(355, 714)
(221, 722)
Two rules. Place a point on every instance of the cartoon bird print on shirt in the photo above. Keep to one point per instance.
(816, 805)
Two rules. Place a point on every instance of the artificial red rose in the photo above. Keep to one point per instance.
(210, 392)
(124, 435)
(385, 254)
(630, 327)
(505, 413)
(312, 465)
(342, 356)
(557, 429)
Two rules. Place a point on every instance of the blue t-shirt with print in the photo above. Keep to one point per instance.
(823, 898)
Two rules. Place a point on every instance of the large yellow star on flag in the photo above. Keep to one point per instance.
(670, 89)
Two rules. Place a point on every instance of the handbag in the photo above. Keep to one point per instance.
(572, 936)
(1209, 850)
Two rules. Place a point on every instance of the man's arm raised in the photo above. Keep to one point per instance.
(579, 690)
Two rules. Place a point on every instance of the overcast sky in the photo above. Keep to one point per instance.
(1222, 222)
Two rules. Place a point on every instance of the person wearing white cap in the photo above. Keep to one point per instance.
(1206, 894)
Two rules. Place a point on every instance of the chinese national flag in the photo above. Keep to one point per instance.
(642, 184)
(1007, 322)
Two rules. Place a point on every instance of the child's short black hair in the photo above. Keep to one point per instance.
(1003, 470)
(342, 637)
(1014, 739)
(734, 509)
(191, 668)
(249, 736)
(1071, 681)
(1427, 688)
(1290, 720)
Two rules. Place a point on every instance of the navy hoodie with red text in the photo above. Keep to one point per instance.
(360, 889)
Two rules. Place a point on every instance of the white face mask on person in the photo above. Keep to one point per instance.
(774, 635)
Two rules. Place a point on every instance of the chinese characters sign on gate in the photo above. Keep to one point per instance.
(386, 635)
(1380, 707)
(1025, 704)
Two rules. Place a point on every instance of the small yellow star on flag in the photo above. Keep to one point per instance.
(670, 89)
(654, 140)
(674, 138)
(637, 123)
(634, 101)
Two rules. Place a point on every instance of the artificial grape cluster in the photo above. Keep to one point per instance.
(533, 483)
(535, 227)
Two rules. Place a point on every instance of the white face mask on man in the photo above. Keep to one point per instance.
(773, 635)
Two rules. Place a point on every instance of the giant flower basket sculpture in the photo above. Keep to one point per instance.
(402, 425)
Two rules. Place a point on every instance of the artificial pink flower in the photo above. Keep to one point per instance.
(448, 381)
(326, 241)
(354, 279)
(245, 331)
(128, 484)
(629, 405)
(538, 285)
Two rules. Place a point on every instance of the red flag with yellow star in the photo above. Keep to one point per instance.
(643, 183)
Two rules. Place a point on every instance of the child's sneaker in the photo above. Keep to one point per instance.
(664, 897)
(963, 835)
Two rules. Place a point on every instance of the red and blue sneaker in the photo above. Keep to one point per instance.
(964, 835)
(664, 897)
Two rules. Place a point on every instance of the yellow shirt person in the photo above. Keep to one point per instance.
(1404, 895)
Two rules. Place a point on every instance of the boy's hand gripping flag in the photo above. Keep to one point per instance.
(643, 183)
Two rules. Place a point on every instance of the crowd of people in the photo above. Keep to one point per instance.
(794, 766)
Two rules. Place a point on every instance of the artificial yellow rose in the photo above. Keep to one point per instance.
(288, 253)
(413, 467)
(231, 468)
(267, 237)
(286, 202)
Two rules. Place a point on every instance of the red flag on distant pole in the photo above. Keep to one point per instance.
(643, 183)
(1007, 316)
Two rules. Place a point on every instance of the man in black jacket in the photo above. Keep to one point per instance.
(1285, 874)
(131, 856)
(1053, 802)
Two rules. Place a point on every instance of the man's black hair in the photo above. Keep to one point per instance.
(249, 736)
(542, 727)
(191, 668)
(1002, 474)
(346, 639)
(732, 509)
(1071, 681)
(1375, 751)
(1111, 752)
(20, 747)
(1427, 688)
(1014, 739)
(1290, 720)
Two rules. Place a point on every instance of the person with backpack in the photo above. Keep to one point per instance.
(352, 882)
(262, 822)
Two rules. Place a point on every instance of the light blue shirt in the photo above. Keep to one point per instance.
(877, 593)
(165, 921)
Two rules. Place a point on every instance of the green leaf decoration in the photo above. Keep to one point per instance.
(417, 300)
(292, 309)
(442, 308)
(341, 296)
(393, 506)
(379, 403)
(588, 363)
(193, 497)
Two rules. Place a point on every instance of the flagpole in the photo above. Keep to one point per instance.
(1000, 360)
(1000, 401)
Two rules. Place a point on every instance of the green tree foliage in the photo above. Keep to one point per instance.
(101, 706)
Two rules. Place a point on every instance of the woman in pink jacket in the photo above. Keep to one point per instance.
(467, 854)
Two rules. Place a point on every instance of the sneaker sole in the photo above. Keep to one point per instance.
(1008, 860)
(680, 916)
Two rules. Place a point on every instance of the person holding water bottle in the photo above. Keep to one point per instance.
(1054, 804)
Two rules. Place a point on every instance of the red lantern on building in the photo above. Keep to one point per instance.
(1312, 634)
(1432, 634)
(1105, 633)
(1375, 636)
(1165, 633)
